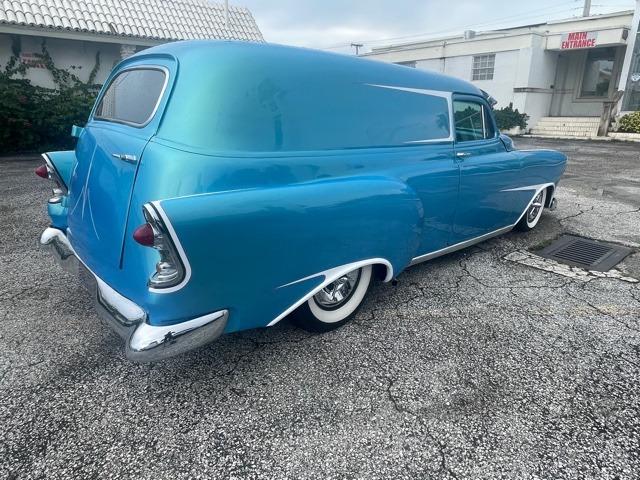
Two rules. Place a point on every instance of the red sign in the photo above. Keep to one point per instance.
(31, 60)
(573, 40)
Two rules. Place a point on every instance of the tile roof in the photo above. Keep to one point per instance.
(151, 19)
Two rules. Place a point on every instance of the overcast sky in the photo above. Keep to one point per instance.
(335, 24)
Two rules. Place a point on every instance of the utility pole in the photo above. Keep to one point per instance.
(587, 8)
(357, 45)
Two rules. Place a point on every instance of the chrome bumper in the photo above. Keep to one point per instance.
(144, 342)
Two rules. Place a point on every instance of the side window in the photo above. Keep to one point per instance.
(132, 96)
(472, 121)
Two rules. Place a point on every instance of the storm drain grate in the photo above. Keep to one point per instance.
(584, 253)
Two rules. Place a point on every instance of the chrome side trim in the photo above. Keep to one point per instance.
(330, 275)
(460, 246)
(179, 249)
(143, 342)
(486, 236)
(537, 188)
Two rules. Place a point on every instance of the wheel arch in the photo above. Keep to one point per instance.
(551, 190)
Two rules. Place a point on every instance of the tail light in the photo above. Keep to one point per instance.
(48, 170)
(42, 171)
(169, 270)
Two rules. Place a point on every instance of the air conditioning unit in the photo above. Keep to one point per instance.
(469, 34)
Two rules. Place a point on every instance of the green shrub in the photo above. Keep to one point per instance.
(37, 119)
(630, 123)
(508, 118)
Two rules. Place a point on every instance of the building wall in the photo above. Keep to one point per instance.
(66, 54)
(504, 78)
(530, 69)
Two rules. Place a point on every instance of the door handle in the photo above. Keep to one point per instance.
(462, 155)
(125, 158)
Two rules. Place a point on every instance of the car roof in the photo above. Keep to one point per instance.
(198, 55)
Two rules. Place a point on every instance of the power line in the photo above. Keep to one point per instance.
(496, 22)
(454, 28)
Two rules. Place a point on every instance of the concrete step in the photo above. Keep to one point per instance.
(567, 127)
(565, 130)
(589, 120)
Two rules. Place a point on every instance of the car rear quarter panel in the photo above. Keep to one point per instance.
(249, 250)
(540, 167)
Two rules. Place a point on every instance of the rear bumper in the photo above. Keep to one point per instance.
(143, 342)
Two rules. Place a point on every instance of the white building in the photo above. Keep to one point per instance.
(564, 68)
(74, 31)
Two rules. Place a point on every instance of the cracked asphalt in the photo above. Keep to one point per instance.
(474, 366)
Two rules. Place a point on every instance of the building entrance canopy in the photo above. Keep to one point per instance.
(579, 40)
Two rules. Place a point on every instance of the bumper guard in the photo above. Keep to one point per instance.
(143, 342)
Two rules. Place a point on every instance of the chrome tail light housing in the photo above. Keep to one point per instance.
(170, 270)
(48, 170)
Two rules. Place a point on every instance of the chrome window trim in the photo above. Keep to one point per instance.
(155, 108)
(484, 111)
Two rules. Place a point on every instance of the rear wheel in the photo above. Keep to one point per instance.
(335, 304)
(530, 219)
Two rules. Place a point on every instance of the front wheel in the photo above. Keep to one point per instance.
(530, 219)
(335, 304)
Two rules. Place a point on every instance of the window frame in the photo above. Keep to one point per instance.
(487, 118)
(615, 77)
(155, 107)
(474, 68)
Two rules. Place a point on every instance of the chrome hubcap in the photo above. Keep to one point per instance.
(338, 292)
(535, 208)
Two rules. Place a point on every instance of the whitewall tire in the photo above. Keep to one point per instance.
(336, 303)
(534, 211)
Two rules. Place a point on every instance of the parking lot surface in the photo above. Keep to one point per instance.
(474, 366)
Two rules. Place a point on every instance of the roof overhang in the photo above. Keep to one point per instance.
(81, 36)
(580, 40)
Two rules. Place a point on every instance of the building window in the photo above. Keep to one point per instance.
(632, 92)
(483, 67)
(597, 73)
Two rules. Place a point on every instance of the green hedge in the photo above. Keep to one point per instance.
(38, 119)
(508, 118)
(630, 123)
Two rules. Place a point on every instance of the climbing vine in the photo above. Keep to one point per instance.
(34, 118)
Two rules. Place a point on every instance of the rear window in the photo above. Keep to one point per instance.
(132, 96)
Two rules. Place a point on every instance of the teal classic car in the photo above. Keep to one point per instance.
(221, 186)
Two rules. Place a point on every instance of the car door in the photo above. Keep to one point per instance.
(109, 152)
(488, 172)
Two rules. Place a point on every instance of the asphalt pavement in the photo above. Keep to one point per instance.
(475, 366)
